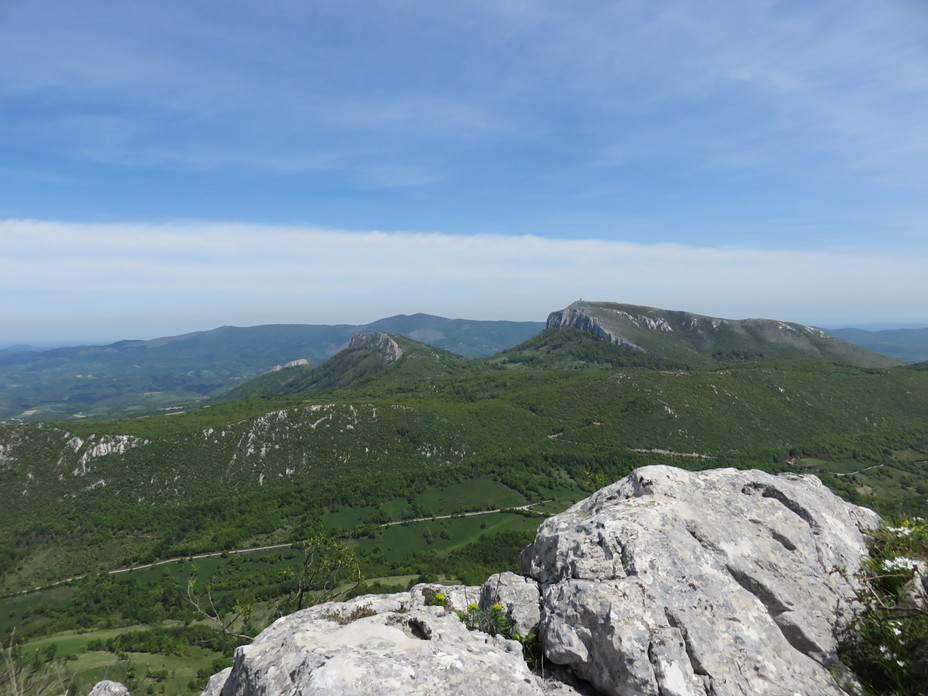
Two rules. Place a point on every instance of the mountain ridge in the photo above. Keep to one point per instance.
(909, 345)
(134, 377)
(702, 341)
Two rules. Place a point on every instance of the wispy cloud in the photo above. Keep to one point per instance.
(704, 122)
(145, 280)
(845, 77)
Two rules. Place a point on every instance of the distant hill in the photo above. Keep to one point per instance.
(367, 356)
(908, 345)
(389, 418)
(174, 372)
(652, 337)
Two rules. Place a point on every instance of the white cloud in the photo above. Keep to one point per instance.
(150, 280)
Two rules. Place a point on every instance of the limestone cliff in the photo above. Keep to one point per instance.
(701, 341)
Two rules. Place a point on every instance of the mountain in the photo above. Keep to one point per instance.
(171, 373)
(158, 487)
(684, 339)
(423, 462)
(908, 345)
(472, 339)
(367, 356)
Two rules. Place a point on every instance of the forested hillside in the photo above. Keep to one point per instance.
(422, 463)
(167, 374)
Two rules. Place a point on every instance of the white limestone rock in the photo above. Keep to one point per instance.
(716, 582)
(108, 688)
(520, 598)
(383, 342)
(216, 682)
(457, 597)
(377, 646)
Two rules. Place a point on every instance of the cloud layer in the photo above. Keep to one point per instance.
(107, 282)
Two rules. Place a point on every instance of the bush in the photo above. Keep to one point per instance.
(887, 643)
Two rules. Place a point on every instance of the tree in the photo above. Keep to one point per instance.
(330, 569)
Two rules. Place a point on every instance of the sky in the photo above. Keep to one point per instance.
(179, 165)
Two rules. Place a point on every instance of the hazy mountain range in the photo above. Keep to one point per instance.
(172, 373)
(385, 443)
(138, 377)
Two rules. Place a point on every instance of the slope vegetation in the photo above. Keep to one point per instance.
(175, 372)
(704, 342)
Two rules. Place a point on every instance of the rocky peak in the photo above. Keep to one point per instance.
(385, 343)
(700, 341)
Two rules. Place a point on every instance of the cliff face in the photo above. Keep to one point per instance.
(379, 341)
(702, 340)
(575, 316)
(666, 582)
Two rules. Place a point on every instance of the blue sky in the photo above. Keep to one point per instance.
(176, 165)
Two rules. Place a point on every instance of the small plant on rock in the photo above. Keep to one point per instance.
(494, 621)
(887, 643)
(433, 598)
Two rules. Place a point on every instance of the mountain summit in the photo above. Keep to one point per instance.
(703, 341)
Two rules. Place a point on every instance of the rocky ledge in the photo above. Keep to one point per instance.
(666, 583)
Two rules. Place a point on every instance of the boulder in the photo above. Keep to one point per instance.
(456, 597)
(672, 582)
(379, 645)
(108, 688)
(216, 682)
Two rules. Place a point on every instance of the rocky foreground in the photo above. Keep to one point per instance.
(666, 583)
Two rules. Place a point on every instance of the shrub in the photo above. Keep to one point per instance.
(494, 621)
(887, 643)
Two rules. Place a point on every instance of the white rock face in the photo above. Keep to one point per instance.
(105, 446)
(579, 319)
(108, 688)
(716, 582)
(520, 598)
(381, 341)
(376, 645)
(299, 362)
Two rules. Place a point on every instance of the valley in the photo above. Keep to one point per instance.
(424, 463)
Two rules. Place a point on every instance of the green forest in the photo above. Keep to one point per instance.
(432, 468)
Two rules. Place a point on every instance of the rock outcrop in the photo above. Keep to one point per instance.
(666, 583)
(575, 316)
(380, 341)
(299, 362)
(109, 688)
(716, 582)
(379, 645)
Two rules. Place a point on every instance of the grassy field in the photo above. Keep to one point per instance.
(404, 540)
(405, 543)
(84, 667)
